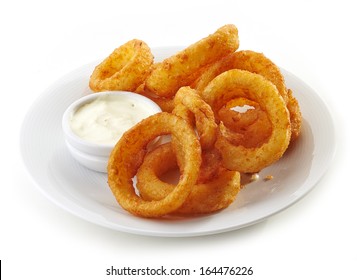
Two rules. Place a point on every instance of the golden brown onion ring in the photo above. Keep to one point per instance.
(128, 155)
(256, 63)
(245, 60)
(249, 129)
(239, 83)
(211, 165)
(184, 67)
(186, 101)
(204, 198)
(235, 116)
(124, 69)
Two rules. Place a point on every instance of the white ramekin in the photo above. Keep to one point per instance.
(91, 155)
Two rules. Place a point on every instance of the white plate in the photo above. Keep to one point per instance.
(86, 194)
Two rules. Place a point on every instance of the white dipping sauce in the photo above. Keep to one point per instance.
(104, 120)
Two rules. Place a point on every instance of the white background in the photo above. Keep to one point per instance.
(43, 40)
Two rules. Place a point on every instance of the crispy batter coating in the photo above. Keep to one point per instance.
(240, 83)
(205, 198)
(184, 67)
(124, 69)
(128, 154)
(165, 103)
(186, 101)
(295, 115)
(249, 129)
(256, 63)
(201, 90)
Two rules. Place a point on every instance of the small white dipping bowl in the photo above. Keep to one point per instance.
(92, 155)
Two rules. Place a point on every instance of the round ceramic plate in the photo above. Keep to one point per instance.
(85, 193)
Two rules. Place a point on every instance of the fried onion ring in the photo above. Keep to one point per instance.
(211, 165)
(184, 67)
(204, 198)
(186, 101)
(236, 116)
(124, 69)
(240, 83)
(128, 154)
(256, 63)
(251, 128)
(245, 60)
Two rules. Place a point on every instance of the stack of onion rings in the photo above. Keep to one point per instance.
(227, 113)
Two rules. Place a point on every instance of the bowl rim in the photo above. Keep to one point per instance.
(93, 162)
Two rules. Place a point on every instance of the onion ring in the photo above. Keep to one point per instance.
(256, 63)
(204, 198)
(186, 101)
(240, 83)
(211, 165)
(184, 67)
(238, 119)
(124, 69)
(245, 60)
(128, 154)
(250, 129)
